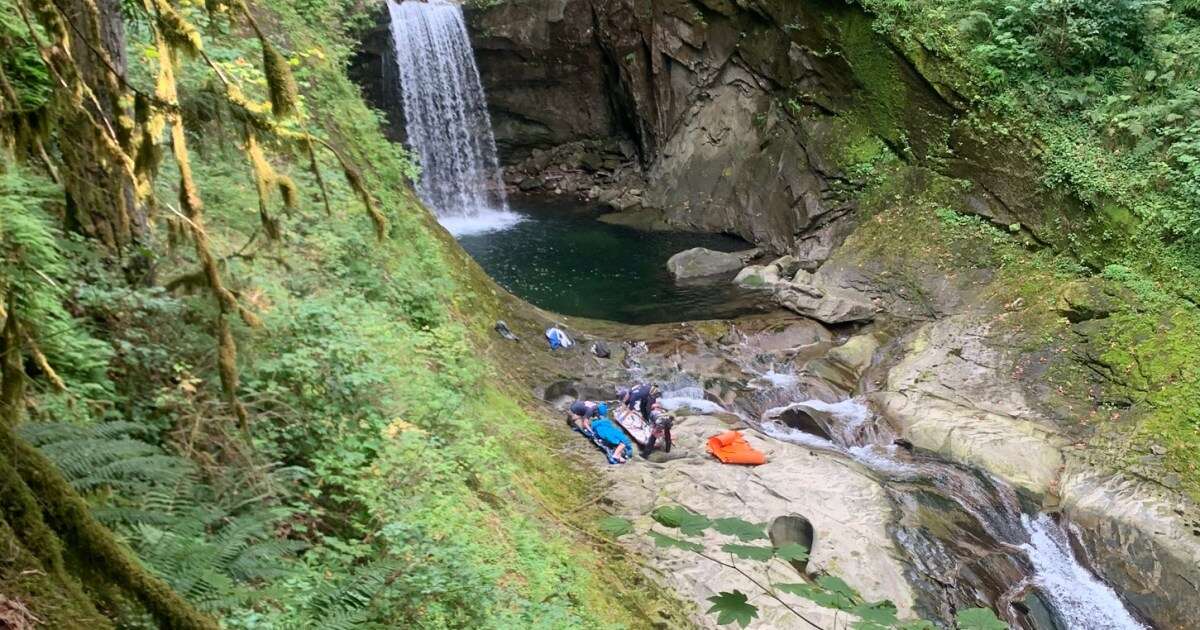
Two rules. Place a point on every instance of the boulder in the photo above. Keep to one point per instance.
(844, 365)
(786, 266)
(757, 277)
(812, 296)
(767, 276)
(1132, 532)
(531, 183)
(700, 262)
(793, 529)
(800, 417)
(952, 393)
(625, 202)
(828, 309)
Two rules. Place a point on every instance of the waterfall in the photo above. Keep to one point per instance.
(446, 117)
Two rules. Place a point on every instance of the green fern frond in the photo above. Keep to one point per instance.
(349, 602)
(41, 433)
(76, 458)
(134, 473)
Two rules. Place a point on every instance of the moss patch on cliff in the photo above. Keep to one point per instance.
(883, 101)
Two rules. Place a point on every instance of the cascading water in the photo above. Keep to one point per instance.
(1016, 560)
(446, 117)
(1076, 598)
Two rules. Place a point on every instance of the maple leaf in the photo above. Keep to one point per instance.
(750, 552)
(615, 526)
(733, 608)
(744, 530)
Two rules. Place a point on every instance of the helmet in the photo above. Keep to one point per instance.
(622, 392)
(603, 409)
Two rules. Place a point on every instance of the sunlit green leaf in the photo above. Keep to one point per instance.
(792, 552)
(749, 552)
(874, 616)
(662, 540)
(745, 531)
(615, 526)
(733, 608)
(687, 522)
(838, 586)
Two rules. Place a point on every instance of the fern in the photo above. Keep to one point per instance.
(41, 433)
(216, 552)
(348, 604)
(1190, 7)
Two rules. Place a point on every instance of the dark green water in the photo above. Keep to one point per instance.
(562, 259)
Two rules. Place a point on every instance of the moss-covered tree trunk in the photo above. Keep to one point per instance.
(100, 193)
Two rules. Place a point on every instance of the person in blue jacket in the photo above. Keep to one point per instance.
(612, 435)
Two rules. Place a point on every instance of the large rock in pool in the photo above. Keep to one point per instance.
(824, 304)
(699, 262)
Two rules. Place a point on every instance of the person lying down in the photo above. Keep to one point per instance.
(591, 419)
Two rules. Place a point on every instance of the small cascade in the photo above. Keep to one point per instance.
(446, 117)
(1081, 599)
(1075, 596)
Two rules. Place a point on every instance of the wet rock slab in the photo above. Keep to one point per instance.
(849, 511)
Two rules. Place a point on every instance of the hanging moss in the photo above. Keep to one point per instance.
(354, 178)
(264, 178)
(280, 83)
(227, 368)
(289, 191)
(315, 168)
(178, 32)
(39, 359)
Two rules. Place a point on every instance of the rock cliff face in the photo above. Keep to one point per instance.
(714, 94)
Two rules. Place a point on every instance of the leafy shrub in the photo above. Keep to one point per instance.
(1071, 36)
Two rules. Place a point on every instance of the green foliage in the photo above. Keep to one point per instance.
(1109, 88)
(669, 542)
(745, 531)
(732, 607)
(1070, 36)
(792, 552)
(20, 62)
(615, 526)
(676, 517)
(749, 552)
(33, 265)
(379, 485)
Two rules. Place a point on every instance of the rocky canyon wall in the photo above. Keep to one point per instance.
(757, 118)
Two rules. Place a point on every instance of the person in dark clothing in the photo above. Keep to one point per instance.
(641, 398)
(581, 413)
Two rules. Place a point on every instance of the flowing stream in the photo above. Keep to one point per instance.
(446, 117)
(970, 539)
